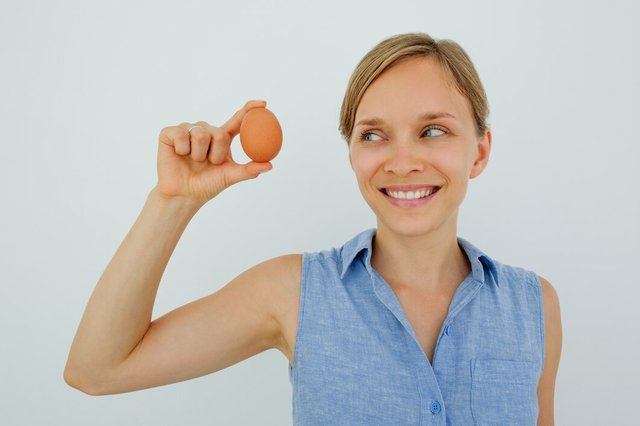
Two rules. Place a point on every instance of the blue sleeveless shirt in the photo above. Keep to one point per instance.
(358, 362)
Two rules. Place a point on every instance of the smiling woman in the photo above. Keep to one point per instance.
(404, 324)
(415, 133)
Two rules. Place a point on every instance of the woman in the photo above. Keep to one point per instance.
(405, 324)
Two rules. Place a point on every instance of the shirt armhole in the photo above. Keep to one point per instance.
(538, 289)
(303, 296)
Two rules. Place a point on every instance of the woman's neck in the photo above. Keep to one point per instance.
(431, 262)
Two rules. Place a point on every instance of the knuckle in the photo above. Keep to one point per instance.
(181, 137)
(167, 131)
(173, 135)
(200, 138)
(221, 138)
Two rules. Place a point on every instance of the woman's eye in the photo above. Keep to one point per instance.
(432, 132)
(370, 137)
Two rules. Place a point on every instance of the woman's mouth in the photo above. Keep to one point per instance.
(410, 197)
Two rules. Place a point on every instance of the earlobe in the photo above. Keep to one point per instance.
(482, 154)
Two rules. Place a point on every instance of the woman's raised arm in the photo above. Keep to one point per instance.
(117, 348)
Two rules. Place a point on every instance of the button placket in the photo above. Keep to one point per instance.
(426, 379)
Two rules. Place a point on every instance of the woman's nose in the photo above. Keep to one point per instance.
(404, 159)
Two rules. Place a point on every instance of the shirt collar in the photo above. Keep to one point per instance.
(483, 268)
(351, 250)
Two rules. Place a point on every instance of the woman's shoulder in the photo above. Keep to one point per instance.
(279, 272)
(290, 268)
(283, 263)
(275, 281)
(341, 256)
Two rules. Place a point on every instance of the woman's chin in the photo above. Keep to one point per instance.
(410, 229)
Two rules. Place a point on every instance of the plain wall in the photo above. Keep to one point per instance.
(85, 88)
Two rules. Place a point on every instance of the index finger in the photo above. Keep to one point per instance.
(232, 126)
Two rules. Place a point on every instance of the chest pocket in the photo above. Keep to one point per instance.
(504, 392)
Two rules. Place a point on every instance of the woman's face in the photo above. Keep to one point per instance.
(414, 147)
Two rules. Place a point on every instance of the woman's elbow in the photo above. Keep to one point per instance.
(83, 382)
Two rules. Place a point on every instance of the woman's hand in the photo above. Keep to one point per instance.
(195, 162)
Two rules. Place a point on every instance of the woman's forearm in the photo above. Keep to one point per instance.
(119, 311)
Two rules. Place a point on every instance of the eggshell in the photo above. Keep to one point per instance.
(260, 135)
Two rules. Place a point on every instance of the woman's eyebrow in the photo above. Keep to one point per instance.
(434, 115)
(369, 121)
(374, 121)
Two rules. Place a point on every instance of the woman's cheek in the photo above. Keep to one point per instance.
(364, 164)
(455, 162)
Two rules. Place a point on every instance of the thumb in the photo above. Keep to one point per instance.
(247, 171)
(232, 126)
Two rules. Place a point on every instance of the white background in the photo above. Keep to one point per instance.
(85, 88)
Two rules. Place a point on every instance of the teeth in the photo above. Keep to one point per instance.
(410, 195)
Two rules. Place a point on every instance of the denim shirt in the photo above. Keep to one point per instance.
(358, 362)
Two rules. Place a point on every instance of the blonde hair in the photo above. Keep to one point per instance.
(454, 61)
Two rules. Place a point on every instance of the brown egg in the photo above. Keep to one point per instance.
(260, 135)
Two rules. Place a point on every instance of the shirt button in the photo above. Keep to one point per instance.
(447, 330)
(435, 407)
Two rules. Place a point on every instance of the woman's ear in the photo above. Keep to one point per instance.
(483, 150)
